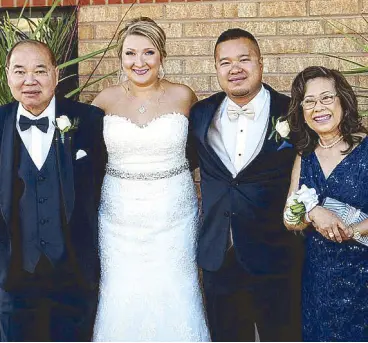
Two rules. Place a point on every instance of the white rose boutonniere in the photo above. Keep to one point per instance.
(63, 122)
(64, 125)
(280, 129)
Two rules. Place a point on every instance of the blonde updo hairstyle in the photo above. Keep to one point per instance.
(146, 27)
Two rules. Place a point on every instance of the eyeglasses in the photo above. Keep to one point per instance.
(310, 102)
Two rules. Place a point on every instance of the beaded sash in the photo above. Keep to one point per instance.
(147, 176)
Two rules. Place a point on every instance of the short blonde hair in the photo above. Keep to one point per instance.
(146, 27)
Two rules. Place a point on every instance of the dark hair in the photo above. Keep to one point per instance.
(236, 33)
(35, 43)
(305, 139)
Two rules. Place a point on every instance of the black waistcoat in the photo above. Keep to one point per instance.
(39, 210)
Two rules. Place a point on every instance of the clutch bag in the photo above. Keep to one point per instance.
(348, 214)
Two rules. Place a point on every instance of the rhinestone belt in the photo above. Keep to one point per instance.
(147, 176)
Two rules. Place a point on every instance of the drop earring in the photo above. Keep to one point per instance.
(161, 72)
(122, 77)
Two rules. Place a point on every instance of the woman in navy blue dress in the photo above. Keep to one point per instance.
(332, 158)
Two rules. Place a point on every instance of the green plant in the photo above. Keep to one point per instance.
(103, 51)
(58, 32)
(358, 68)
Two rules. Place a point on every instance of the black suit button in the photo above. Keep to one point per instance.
(42, 200)
(43, 221)
(234, 183)
(41, 178)
(226, 213)
(42, 242)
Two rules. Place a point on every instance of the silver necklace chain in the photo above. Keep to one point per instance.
(143, 106)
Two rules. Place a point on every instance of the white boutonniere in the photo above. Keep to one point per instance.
(64, 125)
(280, 129)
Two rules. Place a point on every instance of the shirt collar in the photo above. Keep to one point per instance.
(48, 112)
(258, 102)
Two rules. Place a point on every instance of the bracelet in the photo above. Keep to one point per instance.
(356, 233)
(306, 216)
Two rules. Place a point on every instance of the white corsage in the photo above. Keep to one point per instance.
(64, 125)
(299, 204)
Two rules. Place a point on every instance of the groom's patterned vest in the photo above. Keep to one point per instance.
(39, 209)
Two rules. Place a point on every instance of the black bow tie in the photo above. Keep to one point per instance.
(42, 124)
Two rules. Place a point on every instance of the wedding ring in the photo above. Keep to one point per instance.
(331, 234)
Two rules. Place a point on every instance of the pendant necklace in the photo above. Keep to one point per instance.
(143, 107)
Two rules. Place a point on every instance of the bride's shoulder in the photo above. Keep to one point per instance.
(177, 88)
(108, 96)
(180, 92)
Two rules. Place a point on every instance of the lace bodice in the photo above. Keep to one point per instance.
(159, 145)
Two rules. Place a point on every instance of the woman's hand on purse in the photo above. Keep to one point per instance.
(329, 225)
(347, 233)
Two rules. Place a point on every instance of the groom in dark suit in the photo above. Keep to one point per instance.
(251, 263)
(50, 182)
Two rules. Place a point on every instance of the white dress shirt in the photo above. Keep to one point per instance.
(37, 142)
(238, 142)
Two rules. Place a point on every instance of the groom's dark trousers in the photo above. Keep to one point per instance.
(257, 280)
(49, 265)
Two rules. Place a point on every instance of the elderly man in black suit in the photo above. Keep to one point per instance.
(52, 160)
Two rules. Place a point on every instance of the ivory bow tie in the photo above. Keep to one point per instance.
(234, 111)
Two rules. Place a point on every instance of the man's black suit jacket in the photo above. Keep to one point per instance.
(80, 188)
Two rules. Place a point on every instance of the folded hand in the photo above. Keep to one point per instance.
(329, 225)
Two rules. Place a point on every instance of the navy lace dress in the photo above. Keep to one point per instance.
(335, 275)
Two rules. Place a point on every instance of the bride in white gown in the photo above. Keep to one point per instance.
(149, 288)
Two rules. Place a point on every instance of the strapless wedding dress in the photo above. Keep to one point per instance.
(148, 219)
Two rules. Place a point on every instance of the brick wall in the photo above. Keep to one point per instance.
(38, 3)
(291, 33)
(288, 31)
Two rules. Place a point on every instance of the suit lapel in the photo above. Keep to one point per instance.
(210, 112)
(7, 163)
(268, 144)
(275, 113)
(65, 163)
